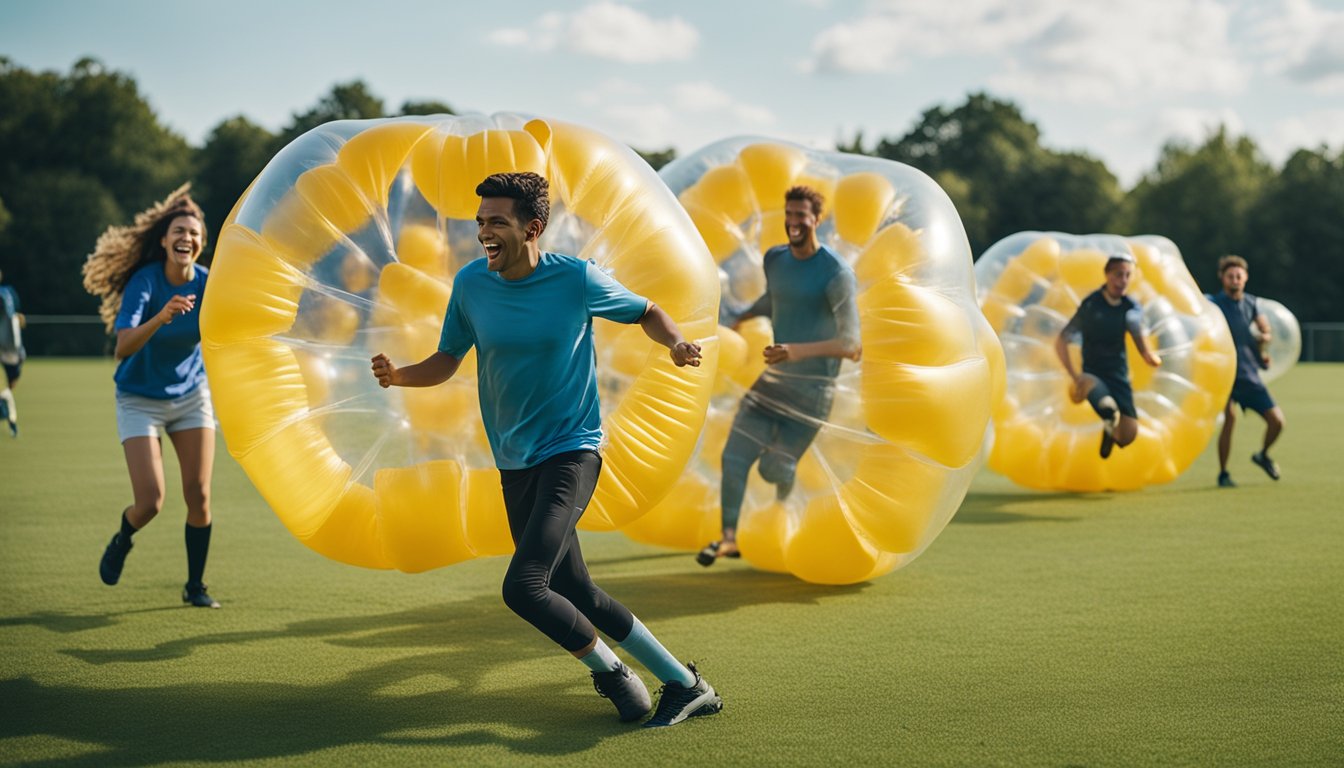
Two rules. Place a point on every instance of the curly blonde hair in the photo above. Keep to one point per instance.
(120, 251)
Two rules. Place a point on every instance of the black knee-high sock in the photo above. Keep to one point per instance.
(127, 530)
(198, 546)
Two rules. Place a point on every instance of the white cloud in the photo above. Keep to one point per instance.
(1300, 41)
(1080, 51)
(687, 115)
(606, 30)
(1308, 130)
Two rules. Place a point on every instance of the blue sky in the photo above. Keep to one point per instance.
(1115, 79)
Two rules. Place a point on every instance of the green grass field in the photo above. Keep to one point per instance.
(1180, 625)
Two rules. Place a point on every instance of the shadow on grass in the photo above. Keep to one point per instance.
(999, 508)
(470, 641)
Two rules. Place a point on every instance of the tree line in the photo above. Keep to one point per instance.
(83, 149)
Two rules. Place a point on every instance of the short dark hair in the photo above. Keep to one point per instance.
(1118, 257)
(809, 194)
(528, 190)
(1227, 262)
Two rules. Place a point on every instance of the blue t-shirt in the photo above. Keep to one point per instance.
(536, 369)
(810, 299)
(1240, 319)
(1102, 326)
(169, 365)
(11, 337)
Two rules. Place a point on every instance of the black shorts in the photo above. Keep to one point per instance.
(12, 371)
(1252, 395)
(1118, 388)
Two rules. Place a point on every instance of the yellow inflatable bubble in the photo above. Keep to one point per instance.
(893, 458)
(1030, 284)
(347, 244)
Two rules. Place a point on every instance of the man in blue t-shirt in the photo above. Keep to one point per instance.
(810, 300)
(530, 316)
(12, 353)
(1250, 334)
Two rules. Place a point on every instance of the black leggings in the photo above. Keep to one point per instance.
(547, 582)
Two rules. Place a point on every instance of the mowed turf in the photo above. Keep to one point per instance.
(1182, 624)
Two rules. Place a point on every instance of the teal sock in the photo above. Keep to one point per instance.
(601, 658)
(641, 644)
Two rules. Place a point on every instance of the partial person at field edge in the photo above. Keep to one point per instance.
(12, 353)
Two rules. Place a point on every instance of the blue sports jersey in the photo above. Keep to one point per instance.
(810, 299)
(11, 336)
(1102, 326)
(536, 369)
(169, 365)
(1240, 319)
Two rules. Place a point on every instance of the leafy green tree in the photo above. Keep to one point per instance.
(425, 108)
(78, 151)
(657, 158)
(346, 101)
(234, 153)
(1201, 198)
(1296, 245)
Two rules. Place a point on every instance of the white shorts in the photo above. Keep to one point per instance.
(139, 416)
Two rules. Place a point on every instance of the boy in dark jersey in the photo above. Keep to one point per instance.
(1250, 334)
(1102, 320)
(810, 299)
(529, 315)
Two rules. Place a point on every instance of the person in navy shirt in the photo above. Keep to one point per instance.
(529, 315)
(810, 298)
(1102, 320)
(1251, 335)
(12, 354)
(151, 288)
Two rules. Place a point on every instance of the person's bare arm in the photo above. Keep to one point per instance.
(132, 340)
(1262, 325)
(660, 327)
(433, 370)
(802, 350)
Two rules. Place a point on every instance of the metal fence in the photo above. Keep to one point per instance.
(83, 336)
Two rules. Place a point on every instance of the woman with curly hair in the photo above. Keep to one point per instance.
(150, 285)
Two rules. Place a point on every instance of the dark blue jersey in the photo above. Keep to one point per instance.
(1241, 316)
(1102, 326)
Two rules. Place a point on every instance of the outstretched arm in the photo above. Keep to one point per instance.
(131, 340)
(433, 370)
(660, 327)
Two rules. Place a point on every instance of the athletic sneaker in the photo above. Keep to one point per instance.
(196, 596)
(625, 690)
(1225, 480)
(114, 559)
(679, 702)
(1264, 462)
(710, 553)
(1107, 434)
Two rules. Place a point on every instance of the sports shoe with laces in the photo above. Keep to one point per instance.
(1264, 462)
(196, 596)
(1107, 432)
(1225, 480)
(114, 559)
(710, 553)
(625, 690)
(679, 702)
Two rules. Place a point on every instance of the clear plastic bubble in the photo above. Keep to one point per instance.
(1030, 284)
(1285, 338)
(896, 449)
(347, 244)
